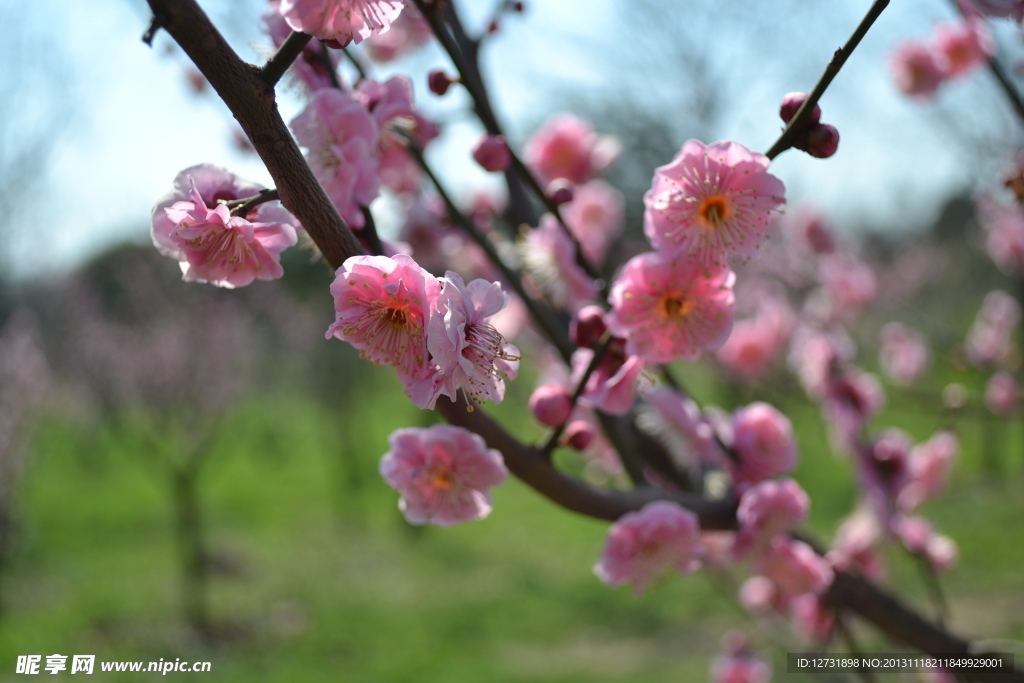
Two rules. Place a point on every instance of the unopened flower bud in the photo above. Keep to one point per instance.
(492, 153)
(822, 141)
(551, 404)
(587, 327)
(791, 104)
(438, 82)
(559, 191)
(578, 434)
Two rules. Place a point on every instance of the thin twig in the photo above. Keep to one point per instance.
(599, 352)
(289, 51)
(796, 124)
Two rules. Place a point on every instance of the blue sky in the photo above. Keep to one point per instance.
(131, 121)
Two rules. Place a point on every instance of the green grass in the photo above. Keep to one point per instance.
(319, 577)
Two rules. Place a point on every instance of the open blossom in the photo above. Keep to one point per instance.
(549, 256)
(990, 339)
(712, 201)
(903, 355)
(341, 137)
(567, 147)
(341, 21)
(930, 464)
(642, 545)
(756, 343)
(391, 105)
(793, 568)
(383, 306)
(469, 353)
(965, 45)
(763, 441)
(213, 246)
(1002, 394)
(443, 473)
(670, 308)
(918, 69)
(1004, 230)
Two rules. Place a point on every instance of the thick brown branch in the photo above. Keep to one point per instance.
(861, 597)
(252, 102)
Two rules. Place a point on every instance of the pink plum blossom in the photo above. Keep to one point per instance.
(791, 103)
(965, 46)
(793, 568)
(595, 216)
(211, 245)
(767, 509)
(852, 397)
(904, 354)
(1004, 231)
(930, 464)
(642, 545)
(383, 306)
(469, 353)
(1001, 8)
(1002, 394)
(308, 67)
(849, 283)
(567, 147)
(339, 22)
(391, 104)
(669, 308)
(763, 441)
(549, 256)
(813, 621)
(712, 201)
(443, 473)
(918, 69)
(342, 138)
(588, 326)
(407, 33)
(990, 339)
(920, 538)
(740, 668)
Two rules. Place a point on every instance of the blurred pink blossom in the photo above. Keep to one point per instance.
(308, 67)
(549, 257)
(930, 465)
(903, 354)
(1002, 394)
(918, 69)
(642, 545)
(443, 472)
(990, 339)
(567, 147)
(966, 46)
(391, 104)
(611, 388)
(756, 343)
(407, 33)
(383, 306)
(595, 217)
(767, 509)
(793, 568)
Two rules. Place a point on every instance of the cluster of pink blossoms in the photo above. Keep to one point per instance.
(435, 332)
(710, 203)
(919, 68)
(193, 225)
